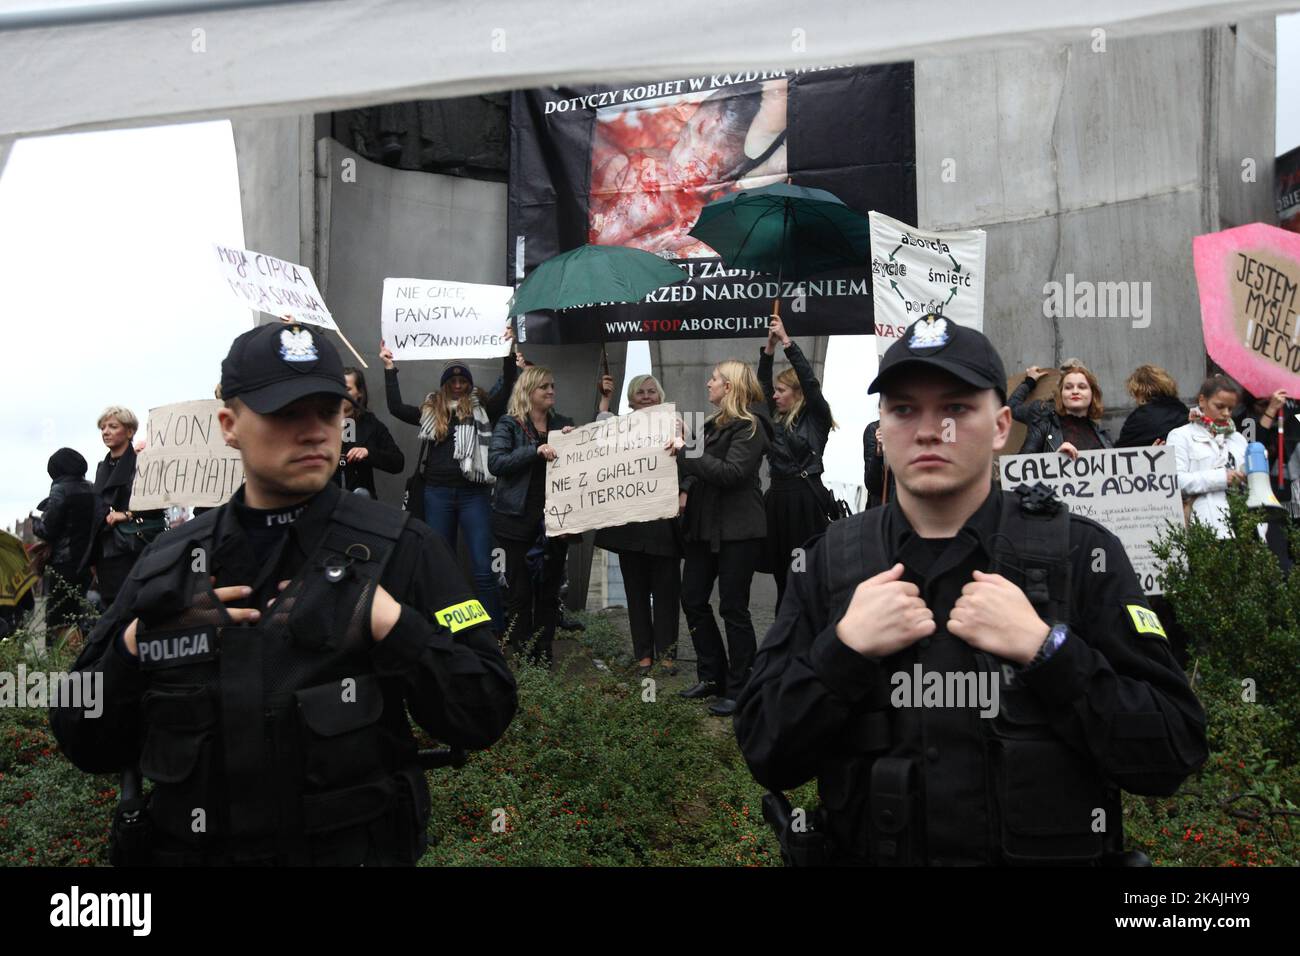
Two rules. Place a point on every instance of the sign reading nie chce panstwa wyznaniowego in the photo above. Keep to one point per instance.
(1132, 492)
(633, 165)
(435, 319)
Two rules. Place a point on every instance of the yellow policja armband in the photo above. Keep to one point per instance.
(460, 616)
(1145, 620)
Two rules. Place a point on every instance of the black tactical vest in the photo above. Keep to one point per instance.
(271, 742)
(1043, 794)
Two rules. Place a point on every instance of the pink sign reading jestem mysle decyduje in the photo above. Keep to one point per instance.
(1249, 283)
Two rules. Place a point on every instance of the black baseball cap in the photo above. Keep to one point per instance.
(275, 364)
(943, 344)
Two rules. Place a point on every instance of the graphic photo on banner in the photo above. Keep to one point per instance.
(1249, 279)
(634, 165)
(437, 319)
(272, 285)
(915, 271)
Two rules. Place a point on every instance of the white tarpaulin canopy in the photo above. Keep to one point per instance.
(77, 65)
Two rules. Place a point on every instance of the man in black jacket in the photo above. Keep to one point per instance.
(260, 662)
(970, 677)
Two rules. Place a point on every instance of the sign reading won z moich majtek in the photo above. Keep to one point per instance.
(185, 460)
(612, 472)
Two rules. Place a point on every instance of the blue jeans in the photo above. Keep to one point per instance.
(469, 511)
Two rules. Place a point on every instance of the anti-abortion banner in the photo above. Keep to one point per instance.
(185, 460)
(1248, 279)
(433, 319)
(914, 272)
(272, 285)
(633, 166)
(1286, 189)
(1130, 491)
(611, 472)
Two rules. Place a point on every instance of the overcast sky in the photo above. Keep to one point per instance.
(105, 292)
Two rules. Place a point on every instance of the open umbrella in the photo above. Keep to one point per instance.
(790, 231)
(593, 274)
(590, 275)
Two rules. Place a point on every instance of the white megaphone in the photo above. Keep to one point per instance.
(1260, 488)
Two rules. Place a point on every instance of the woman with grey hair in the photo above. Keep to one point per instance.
(649, 555)
(112, 555)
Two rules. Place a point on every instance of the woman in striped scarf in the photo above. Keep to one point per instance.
(451, 489)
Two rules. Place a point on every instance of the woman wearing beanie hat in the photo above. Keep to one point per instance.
(66, 523)
(451, 488)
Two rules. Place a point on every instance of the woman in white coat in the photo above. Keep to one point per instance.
(1211, 454)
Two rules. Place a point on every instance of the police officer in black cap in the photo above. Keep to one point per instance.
(970, 674)
(259, 664)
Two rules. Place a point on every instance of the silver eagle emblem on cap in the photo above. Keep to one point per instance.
(296, 345)
(929, 334)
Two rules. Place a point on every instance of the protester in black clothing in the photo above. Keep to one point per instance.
(649, 555)
(367, 443)
(518, 459)
(1069, 423)
(110, 557)
(67, 523)
(876, 475)
(796, 502)
(269, 690)
(1266, 412)
(1159, 409)
(451, 488)
(966, 680)
(724, 525)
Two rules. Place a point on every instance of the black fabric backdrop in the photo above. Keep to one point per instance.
(848, 130)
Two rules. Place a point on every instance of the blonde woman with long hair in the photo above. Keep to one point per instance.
(797, 503)
(724, 526)
(451, 488)
(518, 458)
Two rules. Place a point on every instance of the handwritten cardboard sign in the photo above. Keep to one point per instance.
(272, 285)
(185, 460)
(1130, 491)
(612, 472)
(433, 319)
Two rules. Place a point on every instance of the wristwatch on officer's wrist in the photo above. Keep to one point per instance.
(1055, 638)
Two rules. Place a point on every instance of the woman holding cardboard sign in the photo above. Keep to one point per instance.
(518, 458)
(649, 555)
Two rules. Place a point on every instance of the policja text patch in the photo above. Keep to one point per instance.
(1145, 620)
(159, 649)
(460, 616)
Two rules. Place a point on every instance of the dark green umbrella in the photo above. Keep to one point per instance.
(590, 275)
(789, 231)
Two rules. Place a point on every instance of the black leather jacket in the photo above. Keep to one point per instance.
(511, 459)
(796, 449)
(1042, 424)
(67, 520)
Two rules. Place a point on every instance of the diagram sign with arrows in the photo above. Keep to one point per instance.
(914, 272)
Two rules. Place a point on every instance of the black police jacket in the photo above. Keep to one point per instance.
(1110, 708)
(796, 449)
(1042, 425)
(291, 735)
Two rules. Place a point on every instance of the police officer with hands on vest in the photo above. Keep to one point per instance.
(970, 674)
(260, 661)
